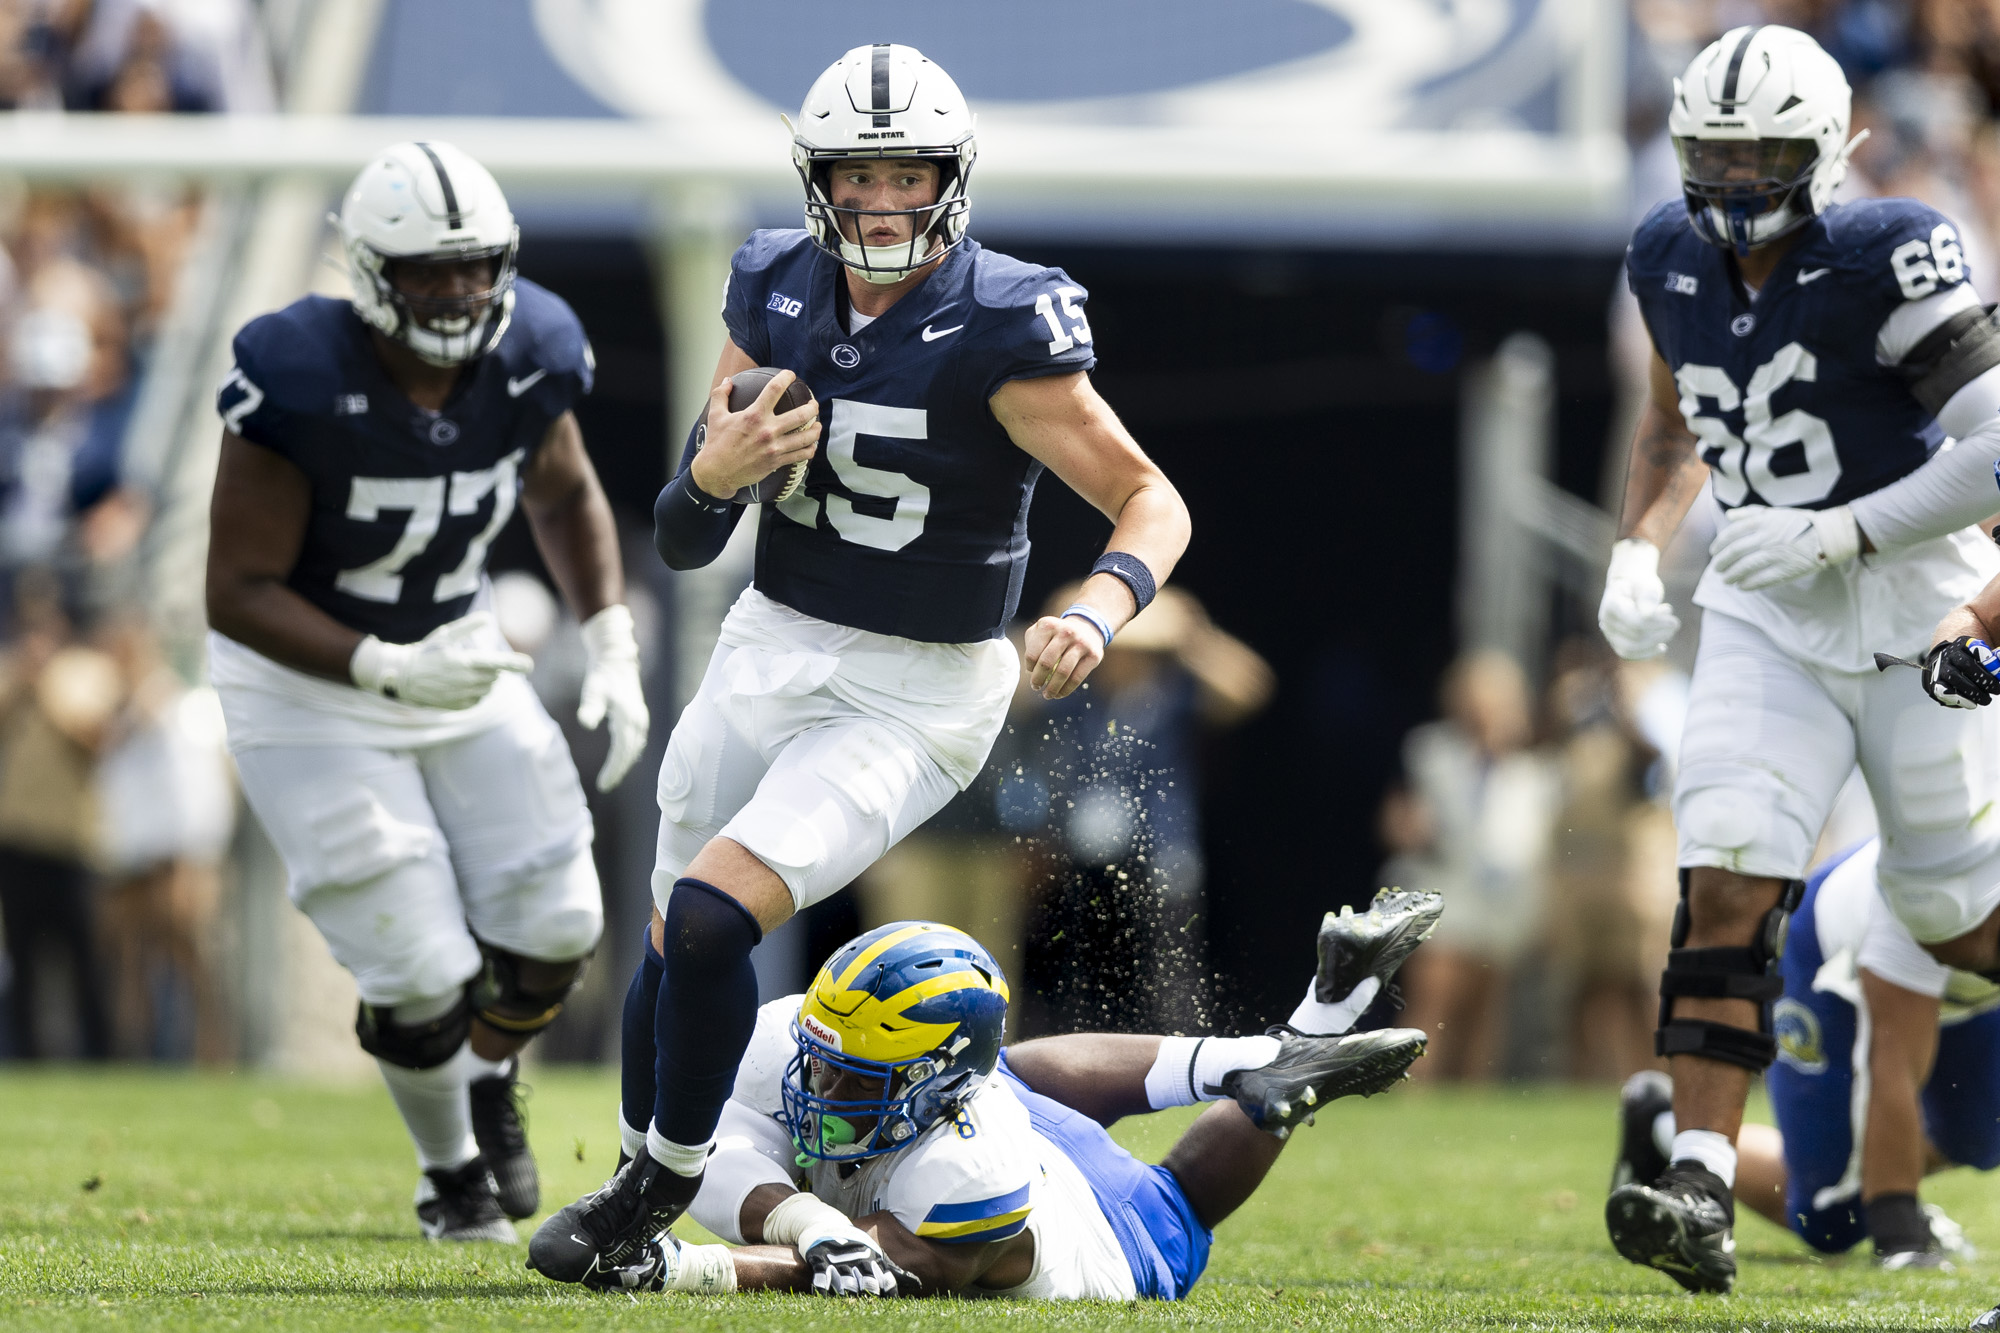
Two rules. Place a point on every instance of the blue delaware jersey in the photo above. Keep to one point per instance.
(405, 502)
(1812, 1082)
(1786, 395)
(914, 516)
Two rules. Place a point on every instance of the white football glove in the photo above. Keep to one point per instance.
(1759, 546)
(611, 688)
(451, 667)
(1634, 614)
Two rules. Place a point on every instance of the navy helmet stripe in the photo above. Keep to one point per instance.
(1736, 66)
(452, 215)
(879, 78)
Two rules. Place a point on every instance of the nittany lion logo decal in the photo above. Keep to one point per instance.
(1799, 1043)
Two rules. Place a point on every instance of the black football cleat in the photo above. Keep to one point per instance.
(1373, 944)
(501, 1129)
(1644, 1098)
(607, 1230)
(1986, 1322)
(1682, 1224)
(1309, 1072)
(460, 1204)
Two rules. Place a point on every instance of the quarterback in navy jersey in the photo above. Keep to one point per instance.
(862, 679)
(1829, 372)
(430, 820)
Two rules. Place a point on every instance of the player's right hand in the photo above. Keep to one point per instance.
(1959, 673)
(1634, 614)
(451, 667)
(743, 448)
(854, 1266)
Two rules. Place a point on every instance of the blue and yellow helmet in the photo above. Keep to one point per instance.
(914, 1007)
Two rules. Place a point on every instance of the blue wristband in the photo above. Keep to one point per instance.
(1089, 615)
(1131, 571)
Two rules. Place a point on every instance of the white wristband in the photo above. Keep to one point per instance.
(375, 665)
(1634, 558)
(608, 635)
(800, 1213)
(708, 1270)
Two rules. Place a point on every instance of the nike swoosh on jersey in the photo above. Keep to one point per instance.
(1807, 275)
(517, 387)
(931, 337)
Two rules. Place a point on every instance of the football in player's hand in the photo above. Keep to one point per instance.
(744, 387)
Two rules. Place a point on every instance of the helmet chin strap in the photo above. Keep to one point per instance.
(883, 264)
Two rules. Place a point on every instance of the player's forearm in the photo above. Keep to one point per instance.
(1951, 490)
(1974, 620)
(1663, 478)
(263, 614)
(1152, 525)
(770, 1268)
(690, 528)
(578, 539)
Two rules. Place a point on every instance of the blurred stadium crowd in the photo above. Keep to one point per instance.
(1539, 809)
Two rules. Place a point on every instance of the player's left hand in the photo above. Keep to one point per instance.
(1760, 547)
(1959, 673)
(853, 1265)
(1059, 653)
(611, 689)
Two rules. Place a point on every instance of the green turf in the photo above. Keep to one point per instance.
(139, 1200)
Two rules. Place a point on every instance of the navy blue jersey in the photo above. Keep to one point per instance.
(1787, 397)
(914, 516)
(405, 502)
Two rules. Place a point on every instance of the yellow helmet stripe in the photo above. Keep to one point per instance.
(845, 981)
(932, 987)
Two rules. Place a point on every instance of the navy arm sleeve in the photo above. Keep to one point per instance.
(690, 528)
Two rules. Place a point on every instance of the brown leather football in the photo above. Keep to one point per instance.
(744, 386)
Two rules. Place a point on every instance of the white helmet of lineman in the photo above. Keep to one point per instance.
(885, 101)
(1760, 124)
(429, 203)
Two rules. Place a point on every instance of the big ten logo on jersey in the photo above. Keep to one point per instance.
(962, 1124)
(424, 503)
(1921, 267)
(785, 305)
(1790, 460)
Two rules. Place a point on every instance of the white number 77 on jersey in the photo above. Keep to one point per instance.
(424, 500)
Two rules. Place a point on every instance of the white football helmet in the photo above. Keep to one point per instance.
(885, 101)
(429, 203)
(1760, 124)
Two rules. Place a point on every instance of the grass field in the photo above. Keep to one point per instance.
(141, 1200)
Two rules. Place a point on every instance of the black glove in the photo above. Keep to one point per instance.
(1959, 673)
(854, 1268)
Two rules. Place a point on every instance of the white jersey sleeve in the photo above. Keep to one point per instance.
(971, 1179)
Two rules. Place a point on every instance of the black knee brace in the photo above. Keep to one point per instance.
(501, 1001)
(423, 1045)
(1735, 974)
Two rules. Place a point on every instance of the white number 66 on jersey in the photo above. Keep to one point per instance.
(1740, 464)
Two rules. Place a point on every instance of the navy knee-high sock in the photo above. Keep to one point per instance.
(707, 1009)
(636, 1049)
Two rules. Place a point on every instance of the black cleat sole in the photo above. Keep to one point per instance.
(1648, 1232)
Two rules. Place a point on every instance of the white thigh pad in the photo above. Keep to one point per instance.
(835, 799)
(1935, 776)
(366, 865)
(1763, 756)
